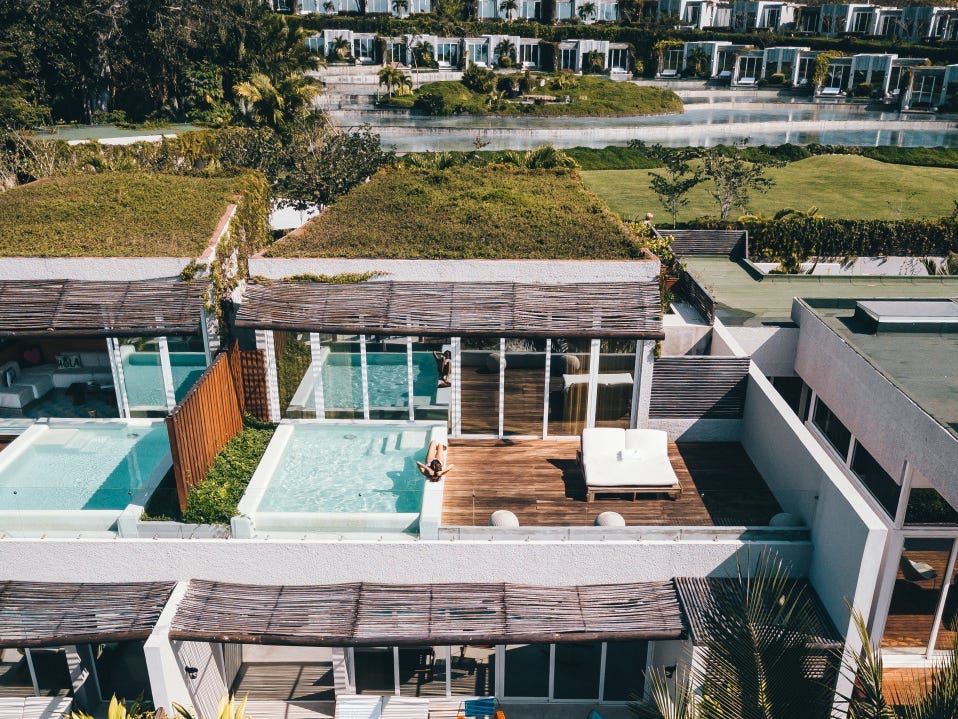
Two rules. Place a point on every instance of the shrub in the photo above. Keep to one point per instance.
(214, 500)
(479, 79)
(776, 78)
(863, 89)
(444, 98)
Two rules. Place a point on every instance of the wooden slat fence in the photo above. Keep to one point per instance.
(250, 367)
(699, 387)
(708, 242)
(208, 417)
(696, 295)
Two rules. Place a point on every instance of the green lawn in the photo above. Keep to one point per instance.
(113, 214)
(841, 186)
(465, 212)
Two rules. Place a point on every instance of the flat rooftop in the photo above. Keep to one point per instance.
(113, 214)
(922, 364)
(542, 484)
(744, 299)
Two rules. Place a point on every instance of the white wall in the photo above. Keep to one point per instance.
(91, 268)
(882, 417)
(771, 348)
(546, 271)
(315, 562)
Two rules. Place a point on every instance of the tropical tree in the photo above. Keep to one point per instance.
(276, 105)
(497, 100)
(698, 62)
(674, 184)
(508, 7)
(329, 6)
(506, 51)
(393, 78)
(756, 655)
(931, 696)
(587, 11)
(400, 6)
(733, 181)
(341, 49)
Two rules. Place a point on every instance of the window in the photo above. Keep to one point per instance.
(607, 11)
(806, 67)
(888, 25)
(529, 54)
(926, 89)
(693, 13)
(882, 487)
(577, 668)
(363, 48)
(926, 505)
(673, 60)
(832, 428)
(860, 22)
(624, 670)
(447, 54)
(374, 670)
(567, 59)
(750, 69)
(527, 670)
(478, 53)
(773, 17)
(396, 52)
(530, 9)
(918, 587)
(619, 59)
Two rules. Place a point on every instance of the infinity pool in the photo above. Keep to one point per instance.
(341, 476)
(80, 474)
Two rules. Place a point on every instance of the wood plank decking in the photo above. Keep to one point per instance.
(914, 603)
(540, 482)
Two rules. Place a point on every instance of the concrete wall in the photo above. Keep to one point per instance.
(848, 537)
(546, 271)
(91, 268)
(882, 417)
(771, 348)
(314, 562)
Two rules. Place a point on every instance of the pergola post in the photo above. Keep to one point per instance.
(316, 365)
(642, 383)
(166, 370)
(265, 342)
(119, 381)
(593, 393)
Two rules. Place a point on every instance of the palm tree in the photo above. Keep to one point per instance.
(508, 7)
(393, 78)
(586, 11)
(341, 48)
(506, 49)
(497, 100)
(329, 6)
(276, 105)
(400, 6)
(756, 655)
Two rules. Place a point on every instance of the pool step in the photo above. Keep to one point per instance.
(412, 439)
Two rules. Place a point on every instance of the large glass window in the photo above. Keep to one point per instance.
(447, 54)
(917, 591)
(624, 670)
(188, 362)
(387, 376)
(529, 54)
(926, 505)
(143, 376)
(619, 59)
(478, 53)
(479, 390)
(614, 386)
(472, 670)
(569, 386)
(341, 363)
(364, 48)
(832, 428)
(527, 670)
(882, 487)
(577, 668)
(567, 58)
(374, 670)
(294, 374)
(422, 671)
(49, 667)
(525, 386)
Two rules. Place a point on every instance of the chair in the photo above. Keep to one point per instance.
(619, 461)
(485, 707)
(358, 706)
(916, 571)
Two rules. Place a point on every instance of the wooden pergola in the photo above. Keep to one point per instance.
(365, 614)
(52, 614)
(79, 308)
(458, 309)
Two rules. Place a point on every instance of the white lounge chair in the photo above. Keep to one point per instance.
(634, 461)
(405, 708)
(359, 706)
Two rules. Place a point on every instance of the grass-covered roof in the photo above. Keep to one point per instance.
(113, 214)
(493, 211)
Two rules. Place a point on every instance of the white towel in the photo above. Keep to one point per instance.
(631, 455)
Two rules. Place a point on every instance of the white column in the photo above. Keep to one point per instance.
(364, 375)
(545, 392)
(502, 385)
(642, 383)
(907, 474)
(593, 397)
(166, 369)
(206, 334)
(28, 655)
(942, 599)
(166, 678)
(316, 351)
(410, 379)
(264, 341)
(119, 381)
(455, 399)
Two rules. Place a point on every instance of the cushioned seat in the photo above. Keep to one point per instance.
(627, 462)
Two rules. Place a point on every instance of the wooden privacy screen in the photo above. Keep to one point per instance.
(208, 417)
(699, 387)
(249, 369)
(708, 242)
(697, 296)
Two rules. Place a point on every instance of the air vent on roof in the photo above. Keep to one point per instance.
(908, 315)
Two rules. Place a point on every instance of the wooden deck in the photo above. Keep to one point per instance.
(310, 682)
(541, 483)
(913, 606)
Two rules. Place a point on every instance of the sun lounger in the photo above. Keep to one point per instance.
(405, 708)
(635, 461)
(358, 706)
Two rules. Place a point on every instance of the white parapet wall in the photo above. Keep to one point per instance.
(92, 268)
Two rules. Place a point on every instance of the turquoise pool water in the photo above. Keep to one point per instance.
(348, 468)
(83, 466)
(388, 383)
(144, 378)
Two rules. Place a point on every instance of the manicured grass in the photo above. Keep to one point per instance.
(840, 186)
(591, 97)
(113, 214)
(465, 212)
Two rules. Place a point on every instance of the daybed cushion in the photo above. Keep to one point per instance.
(653, 442)
(601, 443)
(601, 447)
(39, 379)
(16, 397)
(613, 473)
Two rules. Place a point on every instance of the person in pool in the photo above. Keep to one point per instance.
(444, 365)
(435, 467)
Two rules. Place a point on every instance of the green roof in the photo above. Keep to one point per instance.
(923, 365)
(113, 214)
(745, 298)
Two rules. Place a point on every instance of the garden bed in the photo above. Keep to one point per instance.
(494, 212)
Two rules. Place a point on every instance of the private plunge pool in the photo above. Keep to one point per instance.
(343, 477)
(79, 475)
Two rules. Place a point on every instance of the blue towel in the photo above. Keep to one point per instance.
(594, 715)
(479, 708)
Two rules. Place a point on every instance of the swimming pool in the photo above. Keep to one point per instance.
(144, 378)
(81, 474)
(387, 383)
(343, 476)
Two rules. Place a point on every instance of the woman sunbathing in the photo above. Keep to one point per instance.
(435, 467)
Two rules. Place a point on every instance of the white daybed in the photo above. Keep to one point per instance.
(621, 461)
(358, 706)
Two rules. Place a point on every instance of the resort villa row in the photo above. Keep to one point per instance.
(610, 465)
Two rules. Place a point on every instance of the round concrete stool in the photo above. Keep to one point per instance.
(503, 518)
(784, 519)
(610, 519)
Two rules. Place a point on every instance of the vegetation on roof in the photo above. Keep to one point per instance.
(492, 211)
(113, 214)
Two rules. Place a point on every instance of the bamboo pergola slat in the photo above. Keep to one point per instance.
(363, 614)
(40, 308)
(45, 614)
(458, 309)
